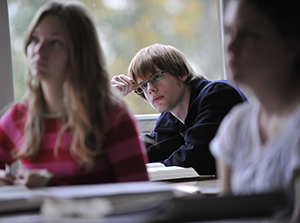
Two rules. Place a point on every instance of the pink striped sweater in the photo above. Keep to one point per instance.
(124, 161)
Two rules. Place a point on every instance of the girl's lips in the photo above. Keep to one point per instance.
(231, 62)
(39, 63)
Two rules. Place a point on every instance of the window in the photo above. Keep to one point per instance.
(126, 26)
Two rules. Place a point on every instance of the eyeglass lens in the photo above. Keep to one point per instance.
(153, 79)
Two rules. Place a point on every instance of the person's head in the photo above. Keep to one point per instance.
(265, 38)
(68, 26)
(84, 52)
(158, 57)
(47, 52)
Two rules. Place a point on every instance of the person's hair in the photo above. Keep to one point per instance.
(163, 57)
(87, 93)
(285, 16)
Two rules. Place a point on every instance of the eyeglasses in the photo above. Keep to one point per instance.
(153, 80)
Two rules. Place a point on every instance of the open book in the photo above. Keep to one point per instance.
(160, 172)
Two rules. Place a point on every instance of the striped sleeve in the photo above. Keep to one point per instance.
(126, 152)
(11, 132)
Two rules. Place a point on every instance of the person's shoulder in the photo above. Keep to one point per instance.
(118, 108)
(204, 85)
(20, 107)
(240, 115)
(220, 85)
(118, 112)
(17, 110)
(223, 87)
(243, 114)
(16, 113)
(242, 109)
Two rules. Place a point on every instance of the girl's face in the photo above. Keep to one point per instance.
(47, 52)
(256, 52)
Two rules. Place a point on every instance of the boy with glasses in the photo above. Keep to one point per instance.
(191, 106)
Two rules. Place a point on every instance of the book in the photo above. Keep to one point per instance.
(160, 172)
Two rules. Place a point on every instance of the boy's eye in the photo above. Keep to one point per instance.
(156, 77)
(143, 86)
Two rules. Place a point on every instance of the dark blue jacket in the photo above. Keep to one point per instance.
(187, 145)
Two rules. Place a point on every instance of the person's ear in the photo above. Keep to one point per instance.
(184, 77)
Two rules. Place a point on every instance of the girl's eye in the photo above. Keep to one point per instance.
(55, 42)
(33, 39)
(248, 34)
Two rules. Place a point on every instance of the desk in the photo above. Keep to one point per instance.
(35, 218)
(209, 186)
(151, 215)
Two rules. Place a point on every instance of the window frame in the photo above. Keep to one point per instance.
(6, 74)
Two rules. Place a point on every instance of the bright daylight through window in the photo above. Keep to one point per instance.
(126, 26)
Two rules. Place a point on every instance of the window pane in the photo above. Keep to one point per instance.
(126, 26)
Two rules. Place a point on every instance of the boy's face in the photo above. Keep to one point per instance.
(167, 94)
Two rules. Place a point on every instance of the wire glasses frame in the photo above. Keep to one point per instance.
(153, 80)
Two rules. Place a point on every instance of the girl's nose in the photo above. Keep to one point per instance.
(41, 48)
(232, 45)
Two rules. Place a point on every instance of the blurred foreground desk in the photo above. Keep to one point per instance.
(171, 199)
(206, 186)
(34, 218)
(160, 205)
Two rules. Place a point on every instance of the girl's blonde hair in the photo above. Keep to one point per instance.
(87, 93)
